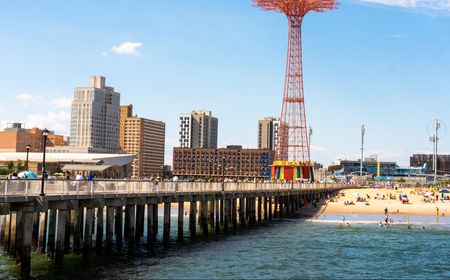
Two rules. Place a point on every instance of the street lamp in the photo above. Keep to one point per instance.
(163, 172)
(28, 151)
(45, 133)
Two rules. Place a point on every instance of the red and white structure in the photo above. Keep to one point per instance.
(292, 154)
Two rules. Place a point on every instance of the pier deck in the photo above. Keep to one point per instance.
(74, 214)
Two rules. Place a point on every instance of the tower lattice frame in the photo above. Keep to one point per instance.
(293, 147)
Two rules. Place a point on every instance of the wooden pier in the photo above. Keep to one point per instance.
(94, 216)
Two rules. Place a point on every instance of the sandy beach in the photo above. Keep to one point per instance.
(376, 206)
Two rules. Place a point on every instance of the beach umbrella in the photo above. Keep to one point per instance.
(444, 191)
(427, 194)
(356, 194)
(27, 174)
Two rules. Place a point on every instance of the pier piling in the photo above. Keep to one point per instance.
(166, 230)
(180, 220)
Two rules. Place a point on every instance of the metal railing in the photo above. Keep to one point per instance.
(120, 188)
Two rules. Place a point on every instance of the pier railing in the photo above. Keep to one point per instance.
(31, 188)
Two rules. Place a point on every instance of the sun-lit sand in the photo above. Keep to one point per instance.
(416, 206)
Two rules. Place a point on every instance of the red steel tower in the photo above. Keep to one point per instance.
(292, 154)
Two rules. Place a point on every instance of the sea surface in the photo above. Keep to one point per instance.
(285, 249)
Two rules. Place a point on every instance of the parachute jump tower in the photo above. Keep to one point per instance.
(292, 153)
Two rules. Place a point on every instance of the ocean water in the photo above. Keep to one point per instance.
(285, 249)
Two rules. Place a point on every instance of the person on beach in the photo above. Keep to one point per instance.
(385, 211)
(348, 224)
(437, 211)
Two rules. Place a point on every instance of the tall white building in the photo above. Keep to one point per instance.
(95, 125)
(198, 130)
(268, 133)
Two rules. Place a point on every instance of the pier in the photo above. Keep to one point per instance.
(86, 217)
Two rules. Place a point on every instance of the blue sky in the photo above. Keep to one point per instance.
(384, 63)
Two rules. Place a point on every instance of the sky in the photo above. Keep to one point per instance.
(381, 63)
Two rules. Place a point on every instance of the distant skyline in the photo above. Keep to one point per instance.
(381, 63)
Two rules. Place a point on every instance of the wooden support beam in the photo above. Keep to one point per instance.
(180, 220)
(61, 235)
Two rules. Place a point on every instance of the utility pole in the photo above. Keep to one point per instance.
(437, 126)
(436, 130)
(363, 132)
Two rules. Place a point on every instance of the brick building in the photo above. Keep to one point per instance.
(15, 138)
(145, 139)
(232, 161)
(443, 162)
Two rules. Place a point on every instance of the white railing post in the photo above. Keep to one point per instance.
(6, 189)
(78, 188)
(91, 183)
(26, 191)
(62, 190)
(139, 188)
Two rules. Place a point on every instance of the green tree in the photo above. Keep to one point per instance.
(10, 164)
(19, 165)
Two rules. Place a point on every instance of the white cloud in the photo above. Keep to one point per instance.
(26, 99)
(61, 102)
(104, 54)
(436, 5)
(58, 121)
(400, 3)
(127, 48)
(399, 35)
(317, 149)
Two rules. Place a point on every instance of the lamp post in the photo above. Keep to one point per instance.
(163, 172)
(45, 133)
(28, 151)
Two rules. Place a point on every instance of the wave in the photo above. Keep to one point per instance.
(365, 222)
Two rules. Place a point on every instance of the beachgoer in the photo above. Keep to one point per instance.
(385, 211)
(90, 177)
(348, 224)
(343, 219)
(437, 211)
(14, 176)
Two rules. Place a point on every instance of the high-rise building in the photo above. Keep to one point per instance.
(95, 117)
(145, 139)
(268, 133)
(15, 138)
(126, 111)
(198, 130)
(233, 161)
